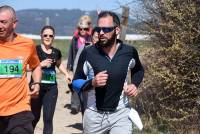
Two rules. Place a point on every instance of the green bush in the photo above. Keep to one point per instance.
(170, 96)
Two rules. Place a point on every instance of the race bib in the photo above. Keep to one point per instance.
(10, 68)
(48, 76)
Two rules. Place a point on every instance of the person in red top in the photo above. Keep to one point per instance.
(82, 37)
(16, 53)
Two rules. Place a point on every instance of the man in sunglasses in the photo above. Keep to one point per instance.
(17, 53)
(109, 61)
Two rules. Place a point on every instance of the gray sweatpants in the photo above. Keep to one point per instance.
(75, 101)
(95, 122)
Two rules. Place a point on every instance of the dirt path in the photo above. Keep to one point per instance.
(64, 121)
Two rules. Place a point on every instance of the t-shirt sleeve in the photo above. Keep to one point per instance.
(34, 60)
(59, 54)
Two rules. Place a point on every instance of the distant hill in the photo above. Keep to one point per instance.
(64, 21)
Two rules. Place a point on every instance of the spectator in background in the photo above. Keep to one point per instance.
(95, 36)
(16, 53)
(83, 95)
(87, 19)
(81, 38)
(50, 58)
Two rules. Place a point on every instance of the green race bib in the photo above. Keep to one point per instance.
(10, 68)
(48, 76)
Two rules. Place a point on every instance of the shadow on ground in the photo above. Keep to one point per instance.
(76, 126)
(68, 106)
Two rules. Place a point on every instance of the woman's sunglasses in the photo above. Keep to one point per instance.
(104, 29)
(84, 29)
(46, 35)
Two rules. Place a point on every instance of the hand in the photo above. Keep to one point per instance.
(100, 79)
(130, 90)
(46, 63)
(34, 91)
(68, 78)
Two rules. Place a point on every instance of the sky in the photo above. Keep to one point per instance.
(87, 5)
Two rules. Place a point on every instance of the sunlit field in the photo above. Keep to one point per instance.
(63, 45)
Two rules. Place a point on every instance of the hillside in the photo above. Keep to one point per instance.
(64, 21)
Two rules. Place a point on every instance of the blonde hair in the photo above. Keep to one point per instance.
(85, 18)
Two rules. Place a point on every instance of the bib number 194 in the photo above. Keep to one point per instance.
(10, 68)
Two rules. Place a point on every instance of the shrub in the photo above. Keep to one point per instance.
(171, 89)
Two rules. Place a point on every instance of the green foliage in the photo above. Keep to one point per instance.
(170, 95)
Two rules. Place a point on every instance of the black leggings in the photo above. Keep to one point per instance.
(47, 98)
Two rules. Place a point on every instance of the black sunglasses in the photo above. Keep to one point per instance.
(85, 29)
(46, 35)
(105, 29)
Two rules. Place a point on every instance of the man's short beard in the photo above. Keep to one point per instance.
(109, 42)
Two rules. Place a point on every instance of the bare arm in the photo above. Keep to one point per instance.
(63, 70)
(36, 75)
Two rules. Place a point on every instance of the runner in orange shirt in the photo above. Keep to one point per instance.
(16, 52)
